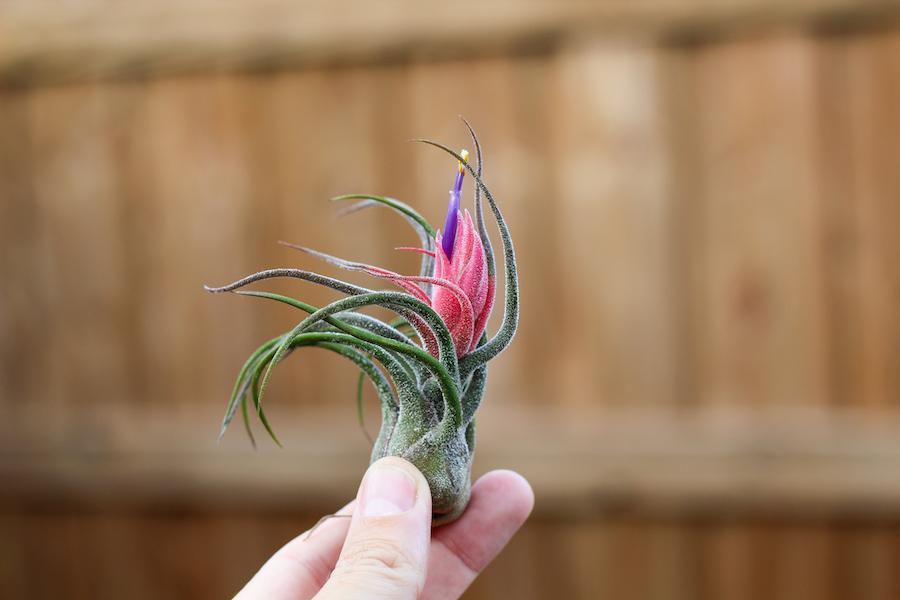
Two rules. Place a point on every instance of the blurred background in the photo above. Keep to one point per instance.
(704, 195)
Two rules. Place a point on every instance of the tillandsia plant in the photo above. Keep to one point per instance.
(428, 366)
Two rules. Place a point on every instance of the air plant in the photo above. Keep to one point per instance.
(428, 366)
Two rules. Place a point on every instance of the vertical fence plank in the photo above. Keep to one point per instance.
(874, 95)
(675, 568)
(727, 556)
(804, 561)
(83, 273)
(13, 562)
(757, 306)
(859, 134)
(841, 229)
(24, 362)
(184, 193)
(866, 565)
(613, 198)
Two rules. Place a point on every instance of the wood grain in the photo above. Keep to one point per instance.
(757, 305)
(617, 212)
(93, 39)
(704, 392)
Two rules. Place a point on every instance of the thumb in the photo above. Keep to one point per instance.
(386, 550)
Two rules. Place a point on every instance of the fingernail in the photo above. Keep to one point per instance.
(387, 491)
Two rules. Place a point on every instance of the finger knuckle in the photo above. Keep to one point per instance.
(380, 558)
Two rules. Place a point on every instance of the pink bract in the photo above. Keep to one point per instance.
(467, 269)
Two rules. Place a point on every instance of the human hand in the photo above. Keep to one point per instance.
(387, 550)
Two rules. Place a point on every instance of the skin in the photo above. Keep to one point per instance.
(387, 549)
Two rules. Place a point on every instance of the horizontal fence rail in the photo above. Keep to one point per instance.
(92, 40)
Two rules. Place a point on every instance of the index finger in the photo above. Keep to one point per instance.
(500, 503)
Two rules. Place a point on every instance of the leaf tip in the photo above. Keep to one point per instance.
(293, 246)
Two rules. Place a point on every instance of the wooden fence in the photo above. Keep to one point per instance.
(705, 387)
